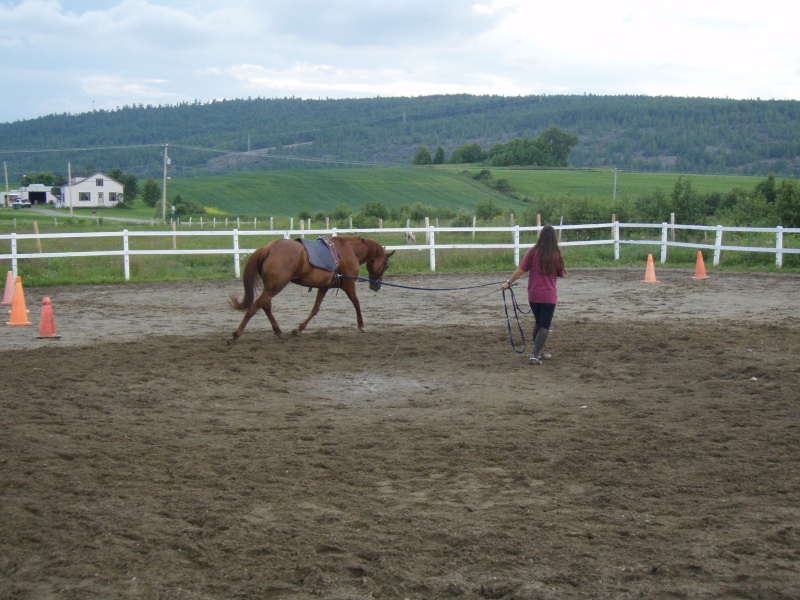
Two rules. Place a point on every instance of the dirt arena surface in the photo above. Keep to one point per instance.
(655, 456)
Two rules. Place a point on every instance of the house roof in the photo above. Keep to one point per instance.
(94, 176)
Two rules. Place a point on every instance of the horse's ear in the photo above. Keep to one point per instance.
(390, 253)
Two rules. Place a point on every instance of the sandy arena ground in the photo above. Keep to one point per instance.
(655, 456)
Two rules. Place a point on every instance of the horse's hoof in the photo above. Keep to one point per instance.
(295, 332)
(362, 329)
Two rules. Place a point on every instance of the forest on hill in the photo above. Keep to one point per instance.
(633, 133)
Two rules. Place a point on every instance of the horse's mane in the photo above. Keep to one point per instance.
(372, 248)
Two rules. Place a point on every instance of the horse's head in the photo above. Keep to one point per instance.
(376, 267)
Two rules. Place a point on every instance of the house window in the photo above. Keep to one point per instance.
(114, 197)
(99, 182)
(84, 197)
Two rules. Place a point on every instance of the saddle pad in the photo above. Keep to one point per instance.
(319, 255)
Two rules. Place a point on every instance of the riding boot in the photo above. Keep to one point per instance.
(538, 344)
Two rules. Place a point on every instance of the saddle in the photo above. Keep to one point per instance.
(322, 253)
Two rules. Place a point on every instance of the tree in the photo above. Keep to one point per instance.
(422, 157)
(184, 208)
(787, 204)
(486, 210)
(438, 158)
(375, 209)
(560, 145)
(688, 205)
(43, 178)
(468, 153)
(151, 192)
(768, 188)
(754, 211)
(654, 208)
(341, 212)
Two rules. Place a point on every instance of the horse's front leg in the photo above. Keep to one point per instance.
(320, 296)
(349, 288)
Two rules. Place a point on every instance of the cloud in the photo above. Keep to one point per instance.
(118, 52)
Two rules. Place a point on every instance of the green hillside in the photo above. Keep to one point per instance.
(600, 184)
(633, 133)
(286, 193)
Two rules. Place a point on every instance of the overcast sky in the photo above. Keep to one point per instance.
(63, 56)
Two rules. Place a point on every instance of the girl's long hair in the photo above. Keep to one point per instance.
(550, 260)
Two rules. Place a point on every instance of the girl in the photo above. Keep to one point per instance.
(545, 263)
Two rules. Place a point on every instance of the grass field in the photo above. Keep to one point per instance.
(286, 193)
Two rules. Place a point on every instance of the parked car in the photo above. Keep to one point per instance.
(20, 204)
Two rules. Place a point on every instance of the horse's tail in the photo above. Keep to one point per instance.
(251, 279)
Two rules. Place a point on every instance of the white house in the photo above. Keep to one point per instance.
(95, 191)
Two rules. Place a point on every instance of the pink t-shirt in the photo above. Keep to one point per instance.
(541, 287)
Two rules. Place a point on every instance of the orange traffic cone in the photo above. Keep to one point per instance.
(650, 274)
(47, 325)
(19, 314)
(700, 268)
(8, 294)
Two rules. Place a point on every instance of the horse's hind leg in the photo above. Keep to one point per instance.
(268, 311)
(262, 302)
(247, 316)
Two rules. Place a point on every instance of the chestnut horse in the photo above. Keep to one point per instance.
(283, 261)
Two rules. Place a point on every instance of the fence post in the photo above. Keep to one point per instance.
(516, 245)
(672, 221)
(779, 246)
(236, 269)
(433, 248)
(615, 235)
(717, 245)
(474, 222)
(14, 258)
(126, 258)
(663, 243)
(428, 237)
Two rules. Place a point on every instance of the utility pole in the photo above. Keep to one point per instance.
(615, 184)
(69, 177)
(5, 170)
(164, 188)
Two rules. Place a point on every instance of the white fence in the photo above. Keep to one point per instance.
(428, 234)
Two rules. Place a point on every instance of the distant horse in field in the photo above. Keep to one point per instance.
(285, 261)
